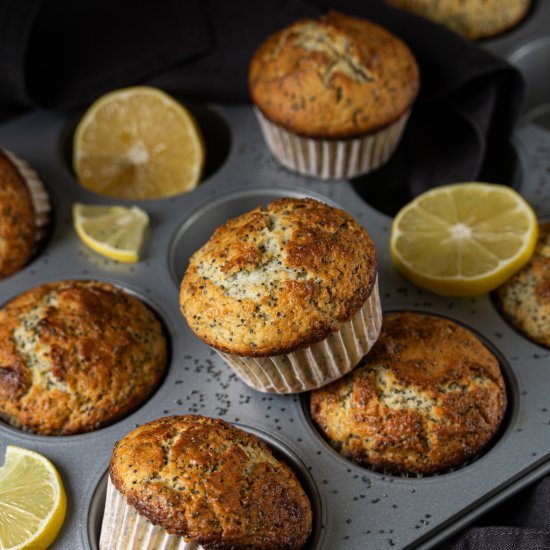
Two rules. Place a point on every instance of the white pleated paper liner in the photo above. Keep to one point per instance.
(313, 367)
(124, 529)
(332, 158)
(39, 196)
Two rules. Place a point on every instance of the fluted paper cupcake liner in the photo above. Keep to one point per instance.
(39, 196)
(332, 158)
(315, 366)
(124, 529)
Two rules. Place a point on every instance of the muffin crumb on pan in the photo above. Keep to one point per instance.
(428, 397)
(24, 213)
(333, 95)
(281, 279)
(77, 355)
(524, 299)
(207, 481)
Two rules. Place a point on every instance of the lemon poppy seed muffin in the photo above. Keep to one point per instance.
(472, 19)
(76, 356)
(24, 212)
(205, 481)
(428, 397)
(287, 294)
(333, 94)
(524, 299)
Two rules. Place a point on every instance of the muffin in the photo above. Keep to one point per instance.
(333, 95)
(287, 294)
(76, 356)
(25, 208)
(525, 298)
(183, 481)
(428, 397)
(472, 19)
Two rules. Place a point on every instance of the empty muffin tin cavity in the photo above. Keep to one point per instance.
(204, 220)
(531, 59)
(212, 125)
(280, 451)
(19, 430)
(512, 393)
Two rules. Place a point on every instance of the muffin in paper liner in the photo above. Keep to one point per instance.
(39, 196)
(332, 158)
(319, 364)
(124, 529)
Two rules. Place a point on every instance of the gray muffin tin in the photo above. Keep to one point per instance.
(353, 506)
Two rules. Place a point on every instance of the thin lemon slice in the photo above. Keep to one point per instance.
(463, 239)
(117, 232)
(138, 143)
(32, 500)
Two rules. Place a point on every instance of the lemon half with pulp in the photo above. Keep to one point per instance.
(463, 239)
(138, 143)
(32, 501)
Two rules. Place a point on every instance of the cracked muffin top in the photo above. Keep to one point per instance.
(524, 299)
(278, 278)
(212, 483)
(17, 219)
(426, 398)
(76, 356)
(335, 77)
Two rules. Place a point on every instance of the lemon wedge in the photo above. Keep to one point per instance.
(117, 232)
(463, 239)
(32, 500)
(138, 143)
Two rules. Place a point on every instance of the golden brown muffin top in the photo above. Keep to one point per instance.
(17, 220)
(335, 77)
(427, 397)
(525, 297)
(278, 278)
(212, 483)
(472, 19)
(76, 356)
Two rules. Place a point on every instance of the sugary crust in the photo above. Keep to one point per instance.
(427, 397)
(212, 483)
(525, 298)
(17, 219)
(76, 356)
(278, 278)
(335, 77)
(472, 19)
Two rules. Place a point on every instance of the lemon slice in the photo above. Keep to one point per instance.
(138, 143)
(463, 239)
(117, 232)
(32, 500)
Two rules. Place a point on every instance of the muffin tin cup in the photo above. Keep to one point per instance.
(319, 364)
(332, 158)
(39, 196)
(124, 529)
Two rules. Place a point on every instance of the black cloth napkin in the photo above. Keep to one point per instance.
(61, 55)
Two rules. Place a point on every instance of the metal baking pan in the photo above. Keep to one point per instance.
(353, 506)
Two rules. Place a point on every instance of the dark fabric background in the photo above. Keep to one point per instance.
(62, 54)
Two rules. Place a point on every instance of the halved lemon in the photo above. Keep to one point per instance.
(138, 143)
(463, 239)
(32, 500)
(117, 232)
